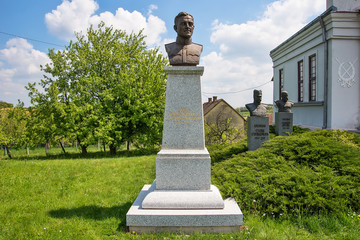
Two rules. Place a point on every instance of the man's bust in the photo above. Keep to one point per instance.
(284, 105)
(184, 52)
(256, 108)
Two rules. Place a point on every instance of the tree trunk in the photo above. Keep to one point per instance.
(112, 149)
(62, 146)
(27, 150)
(46, 147)
(83, 149)
(104, 147)
(128, 145)
(8, 151)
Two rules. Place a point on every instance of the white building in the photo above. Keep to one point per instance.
(319, 67)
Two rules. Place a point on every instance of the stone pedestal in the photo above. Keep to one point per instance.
(258, 131)
(182, 197)
(283, 123)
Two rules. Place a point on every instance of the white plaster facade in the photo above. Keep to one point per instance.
(334, 39)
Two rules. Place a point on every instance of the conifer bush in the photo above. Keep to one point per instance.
(307, 172)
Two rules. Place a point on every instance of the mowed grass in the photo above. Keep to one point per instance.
(87, 198)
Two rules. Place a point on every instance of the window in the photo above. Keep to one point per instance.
(312, 78)
(301, 81)
(281, 82)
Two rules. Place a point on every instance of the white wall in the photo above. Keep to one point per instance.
(345, 91)
(344, 5)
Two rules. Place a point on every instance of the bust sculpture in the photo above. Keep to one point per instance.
(184, 52)
(284, 105)
(257, 108)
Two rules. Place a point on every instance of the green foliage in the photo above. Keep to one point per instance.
(221, 132)
(220, 152)
(6, 105)
(304, 173)
(104, 87)
(13, 126)
(88, 198)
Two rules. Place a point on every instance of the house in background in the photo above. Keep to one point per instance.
(319, 67)
(219, 114)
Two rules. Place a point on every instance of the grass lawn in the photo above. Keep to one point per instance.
(87, 198)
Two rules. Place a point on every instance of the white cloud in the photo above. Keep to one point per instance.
(78, 15)
(243, 58)
(20, 64)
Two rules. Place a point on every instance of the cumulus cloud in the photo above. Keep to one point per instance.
(78, 15)
(20, 64)
(243, 58)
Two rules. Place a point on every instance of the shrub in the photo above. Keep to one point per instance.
(303, 173)
(220, 152)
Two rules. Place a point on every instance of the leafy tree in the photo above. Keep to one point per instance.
(13, 123)
(6, 105)
(105, 86)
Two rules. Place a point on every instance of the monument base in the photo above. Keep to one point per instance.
(283, 123)
(141, 220)
(188, 199)
(258, 132)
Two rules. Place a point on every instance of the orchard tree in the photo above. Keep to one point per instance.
(106, 86)
(13, 123)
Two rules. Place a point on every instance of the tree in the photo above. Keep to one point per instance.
(6, 105)
(222, 129)
(13, 123)
(106, 86)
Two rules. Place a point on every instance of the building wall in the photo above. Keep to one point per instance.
(287, 57)
(343, 34)
(344, 71)
(222, 112)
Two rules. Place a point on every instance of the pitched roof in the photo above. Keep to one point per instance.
(212, 102)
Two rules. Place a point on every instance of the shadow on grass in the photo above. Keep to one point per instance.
(95, 212)
(89, 155)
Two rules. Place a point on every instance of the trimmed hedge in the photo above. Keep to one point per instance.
(311, 172)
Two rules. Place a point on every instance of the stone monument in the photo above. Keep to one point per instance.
(182, 199)
(258, 123)
(284, 116)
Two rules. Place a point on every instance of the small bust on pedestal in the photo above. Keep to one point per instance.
(184, 52)
(258, 122)
(256, 108)
(284, 116)
(284, 105)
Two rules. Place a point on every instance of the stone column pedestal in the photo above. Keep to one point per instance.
(283, 123)
(182, 197)
(258, 132)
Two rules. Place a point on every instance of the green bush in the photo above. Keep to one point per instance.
(220, 152)
(303, 173)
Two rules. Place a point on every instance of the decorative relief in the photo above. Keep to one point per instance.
(346, 73)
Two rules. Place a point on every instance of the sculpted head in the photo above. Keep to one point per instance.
(284, 96)
(257, 97)
(184, 25)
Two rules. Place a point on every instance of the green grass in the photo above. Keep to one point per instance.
(73, 197)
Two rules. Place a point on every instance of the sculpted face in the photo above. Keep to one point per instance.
(284, 96)
(184, 26)
(257, 97)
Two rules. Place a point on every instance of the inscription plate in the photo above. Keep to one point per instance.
(283, 123)
(258, 131)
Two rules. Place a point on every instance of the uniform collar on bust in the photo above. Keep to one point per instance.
(183, 41)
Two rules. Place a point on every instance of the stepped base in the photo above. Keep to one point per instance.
(141, 220)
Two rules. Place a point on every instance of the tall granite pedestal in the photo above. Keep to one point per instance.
(283, 123)
(182, 199)
(258, 131)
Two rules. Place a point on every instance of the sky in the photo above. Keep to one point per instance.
(237, 37)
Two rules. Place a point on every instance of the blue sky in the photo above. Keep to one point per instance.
(237, 36)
